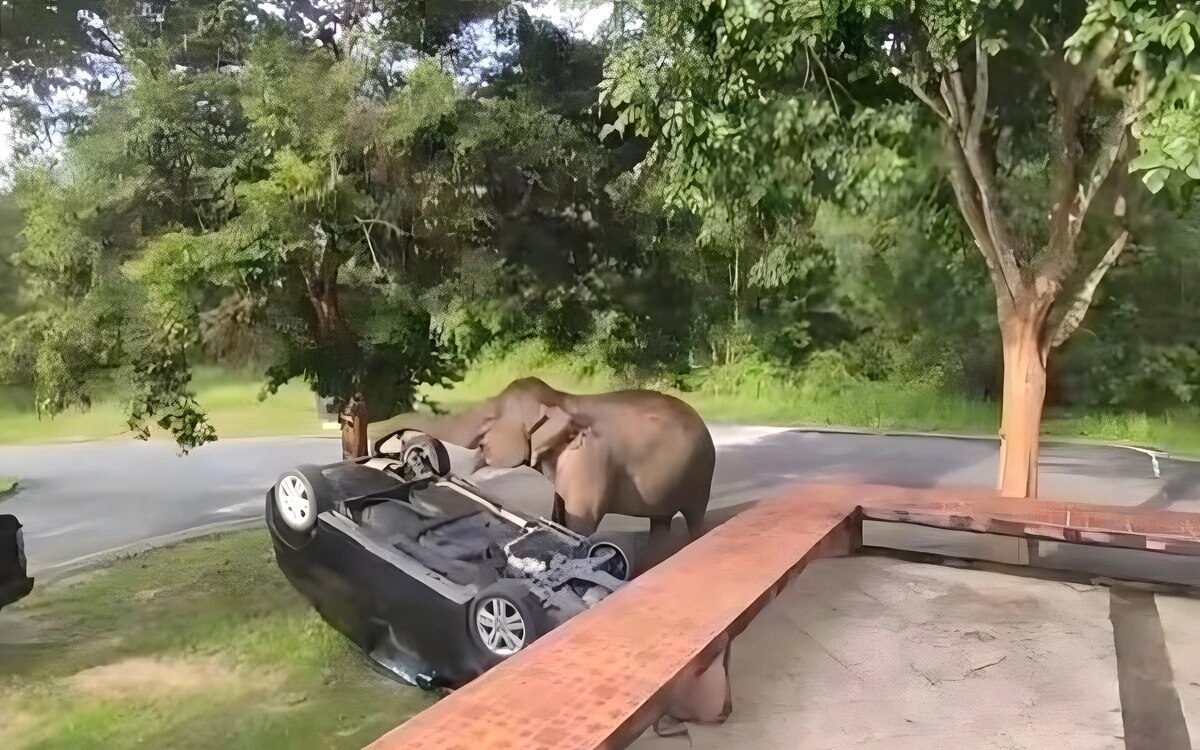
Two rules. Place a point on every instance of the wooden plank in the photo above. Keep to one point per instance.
(1161, 531)
(600, 680)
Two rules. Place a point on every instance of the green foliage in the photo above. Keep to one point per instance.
(1156, 41)
(251, 191)
(761, 204)
(803, 138)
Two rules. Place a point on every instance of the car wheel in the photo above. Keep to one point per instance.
(619, 565)
(301, 494)
(506, 618)
(425, 456)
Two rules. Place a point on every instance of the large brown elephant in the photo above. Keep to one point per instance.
(637, 453)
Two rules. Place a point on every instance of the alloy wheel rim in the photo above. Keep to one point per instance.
(501, 626)
(294, 504)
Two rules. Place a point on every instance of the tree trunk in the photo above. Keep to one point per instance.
(1025, 352)
(323, 294)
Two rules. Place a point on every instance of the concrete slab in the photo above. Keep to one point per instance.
(1181, 625)
(878, 653)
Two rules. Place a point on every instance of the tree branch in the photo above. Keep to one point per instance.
(985, 182)
(979, 107)
(967, 193)
(388, 224)
(929, 101)
(966, 127)
(1083, 298)
(951, 104)
(1113, 143)
(960, 97)
(1063, 82)
(1073, 200)
(117, 53)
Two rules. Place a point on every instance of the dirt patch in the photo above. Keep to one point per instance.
(14, 723)
(18, 629)
(147, 594)
(75, 578)
(148, 678)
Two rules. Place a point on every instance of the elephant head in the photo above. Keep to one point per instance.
(502, 428)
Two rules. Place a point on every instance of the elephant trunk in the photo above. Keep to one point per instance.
(464, 429)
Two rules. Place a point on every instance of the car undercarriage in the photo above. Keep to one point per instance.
(432, 577)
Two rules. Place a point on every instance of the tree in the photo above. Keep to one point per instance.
(776, 103)
(332, 207)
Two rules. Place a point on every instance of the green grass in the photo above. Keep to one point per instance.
(740, 393)
(230, 399)
(7, 485)
(199, 645)
(744, 395)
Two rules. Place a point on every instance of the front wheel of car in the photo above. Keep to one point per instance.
(506, 618)
(301, 495)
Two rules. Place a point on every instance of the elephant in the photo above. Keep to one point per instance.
(634, 452)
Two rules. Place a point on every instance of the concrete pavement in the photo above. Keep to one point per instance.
(877, 653)
(862, 652)
(86, 498)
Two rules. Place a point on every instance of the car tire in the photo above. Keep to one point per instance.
(301, 494)
(619, 566)
(626, 549)
(428, 450)
(505, 618)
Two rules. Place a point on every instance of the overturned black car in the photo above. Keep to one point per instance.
(14, 583)
(432, 578)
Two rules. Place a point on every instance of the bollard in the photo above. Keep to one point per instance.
(354, 428)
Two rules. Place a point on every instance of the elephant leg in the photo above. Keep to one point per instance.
(705, 698)
(658, 546)
(695, 519)
(581, 504)
(584, 479)
(660, 528)
(583, 523)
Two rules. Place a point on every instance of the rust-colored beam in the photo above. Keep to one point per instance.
(600, 680)
(353, 421)
(1161, 531)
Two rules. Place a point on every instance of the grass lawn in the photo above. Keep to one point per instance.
(234, 409)
(230, 399)
(869, 405)
(199, 645)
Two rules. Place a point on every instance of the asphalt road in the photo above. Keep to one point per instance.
(87, 499)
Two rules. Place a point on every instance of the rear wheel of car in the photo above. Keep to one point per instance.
(301, 494)
(619, 565)
(505, 618)
(425, 456)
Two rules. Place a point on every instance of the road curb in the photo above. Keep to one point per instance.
(1151, 451)
(62, 570)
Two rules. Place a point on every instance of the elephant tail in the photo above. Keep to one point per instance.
(694, 516)
(700, 490)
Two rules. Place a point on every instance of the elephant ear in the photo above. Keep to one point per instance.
(506, 444)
